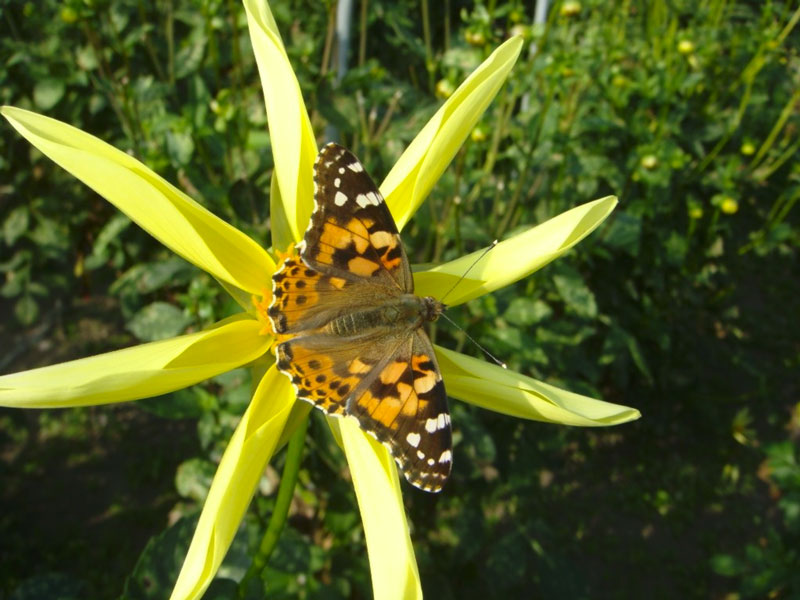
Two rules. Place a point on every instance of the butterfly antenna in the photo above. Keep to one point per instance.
(474, 341)
(463, 276)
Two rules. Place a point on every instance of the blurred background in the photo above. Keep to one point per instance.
(684, 304)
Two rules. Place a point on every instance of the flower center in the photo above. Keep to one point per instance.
(262, 305)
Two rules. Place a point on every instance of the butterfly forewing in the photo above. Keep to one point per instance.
(352, 338)
(352, 232)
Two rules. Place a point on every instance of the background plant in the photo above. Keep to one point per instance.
(685, 305)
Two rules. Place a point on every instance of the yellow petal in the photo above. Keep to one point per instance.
(294, 148)
(514, 258)
(137, 372)
(391, 556)
(494, 388)
(423, 162)
(283, 236)
(154, 204)
(236, 479)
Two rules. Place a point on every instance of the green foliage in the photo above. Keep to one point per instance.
(684, 304)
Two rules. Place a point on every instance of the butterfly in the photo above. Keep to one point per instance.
(350, 329)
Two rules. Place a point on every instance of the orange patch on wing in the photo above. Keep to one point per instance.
(391, 265)
(410, 408)
(299, 300)
(392, 372)
(362, 266)
(335, 236)
(357, 228)
(381, 239)
(358, 368)
(417, 360)
(326, 258)
(425, 383)
(387, 411)
(369, 402)
(337, 282)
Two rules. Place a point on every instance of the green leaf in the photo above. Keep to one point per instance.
(676, 248)
(108, 235)
(26, 310)
(50, 585)
(180, 147)
(574, 292)
(524, 311)
(158, 321)
(158, 565)
(146, 278)
(726, 565)
(86, 58)
(15, 224)
(47, 93)
(624, 232)
(638, 357)
(193, 478)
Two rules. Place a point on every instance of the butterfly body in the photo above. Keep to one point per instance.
(351, 331)
(407, 312)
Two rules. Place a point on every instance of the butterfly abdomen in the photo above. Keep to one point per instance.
(400, 313)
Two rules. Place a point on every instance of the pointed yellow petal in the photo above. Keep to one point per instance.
(420, 166)
(154, 204)
(391, 555)
(137, 372)
(514, 258)
(492, 387)
(294, 148)
(236, 479)
(283, 236)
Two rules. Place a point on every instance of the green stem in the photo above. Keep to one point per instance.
(426, 34)
(787, 111)
(362, 34)
(731, 129)
(764, 172)
(294, 455)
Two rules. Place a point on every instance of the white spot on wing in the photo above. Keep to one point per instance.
(446, 457)
(337, 182)
(413, 439)
(362, 200)
(431, 425)
(420, 454)
(355, 167)
(341, 170)
(340, 199)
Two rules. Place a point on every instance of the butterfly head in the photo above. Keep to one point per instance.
(431, 308)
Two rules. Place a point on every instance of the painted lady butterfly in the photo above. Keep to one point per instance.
(350, 329)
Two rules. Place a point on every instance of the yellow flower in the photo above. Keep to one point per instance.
(685, 47)
(244, 269)
(649, 162)
(570, 8)
(728, 205)
(444, 89)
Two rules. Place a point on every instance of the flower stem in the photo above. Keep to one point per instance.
(280, 513)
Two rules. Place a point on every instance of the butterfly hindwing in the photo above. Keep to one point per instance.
(326, 373)
(405, 406)
(303, 297)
